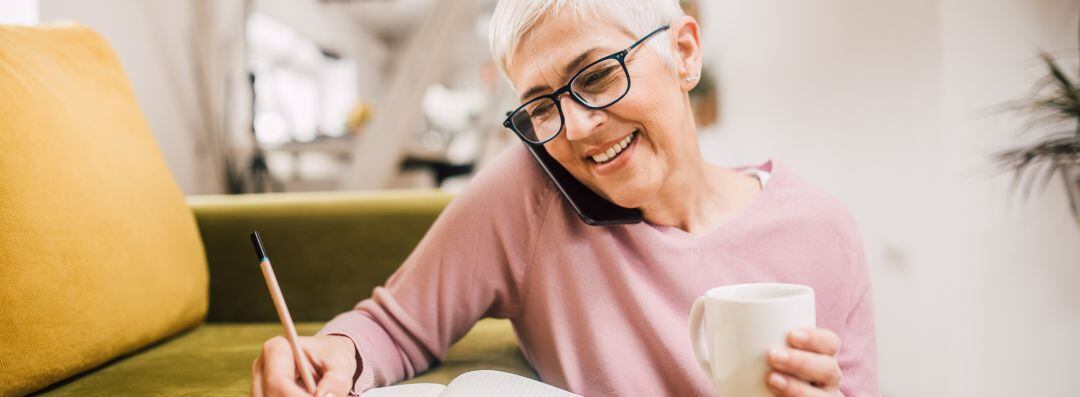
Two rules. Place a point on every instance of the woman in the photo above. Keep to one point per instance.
(603, 310)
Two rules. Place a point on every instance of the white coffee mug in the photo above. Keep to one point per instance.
(732, 329)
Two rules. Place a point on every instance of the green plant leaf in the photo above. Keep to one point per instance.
(1053, 103)
(1060, 77)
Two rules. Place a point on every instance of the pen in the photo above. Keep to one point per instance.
(302, 364)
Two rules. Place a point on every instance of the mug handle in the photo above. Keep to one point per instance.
(701, 351)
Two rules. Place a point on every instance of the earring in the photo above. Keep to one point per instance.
(692, 78)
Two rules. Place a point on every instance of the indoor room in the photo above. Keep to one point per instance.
(539, 197)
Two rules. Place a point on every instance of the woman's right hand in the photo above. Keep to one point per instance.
(332, 356)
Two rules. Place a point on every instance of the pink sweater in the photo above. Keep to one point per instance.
(603, 311)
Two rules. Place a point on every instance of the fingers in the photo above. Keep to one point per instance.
(809, 367)
(335, 382)
(309, 361)
(787, 386)
(335, 370)
(279, 369)
(334, 379)
(332, 360)
(315, 365)
(819, 340)
(256, 378)
(818, 369)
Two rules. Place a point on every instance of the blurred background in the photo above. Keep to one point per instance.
(898, 108)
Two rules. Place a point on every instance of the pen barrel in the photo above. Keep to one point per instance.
(302, 364)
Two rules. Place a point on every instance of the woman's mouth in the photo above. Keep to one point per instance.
(608, 161)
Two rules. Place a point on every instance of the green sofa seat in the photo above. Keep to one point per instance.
(329, 251)
(215, 360)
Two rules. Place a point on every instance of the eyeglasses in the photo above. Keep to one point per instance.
(598, 85)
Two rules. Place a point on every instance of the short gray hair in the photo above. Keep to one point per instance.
(513, 20)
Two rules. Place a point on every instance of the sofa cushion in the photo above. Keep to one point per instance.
(99, 254)
(215, 360)
(329, 249)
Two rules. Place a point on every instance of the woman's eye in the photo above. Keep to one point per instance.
(597, 79)
(541, 110)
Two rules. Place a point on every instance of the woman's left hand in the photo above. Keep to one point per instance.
(808, 368)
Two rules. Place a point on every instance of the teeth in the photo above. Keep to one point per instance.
(614, 149)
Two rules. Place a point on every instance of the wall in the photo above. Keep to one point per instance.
(1016, 265)
(19, 12)
(886, 105)
(153, 40)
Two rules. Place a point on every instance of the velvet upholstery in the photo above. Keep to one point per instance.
(111, 283)
(215, 360)
(328, 249)
(99, 254)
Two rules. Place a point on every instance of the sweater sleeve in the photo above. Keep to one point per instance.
(858, 350)
(469, 265)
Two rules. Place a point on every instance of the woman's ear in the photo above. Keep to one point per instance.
(687, 52)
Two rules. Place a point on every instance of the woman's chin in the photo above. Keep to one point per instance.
(624, 198)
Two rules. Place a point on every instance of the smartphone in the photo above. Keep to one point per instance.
(590, 207)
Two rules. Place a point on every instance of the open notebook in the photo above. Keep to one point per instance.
(483, 383)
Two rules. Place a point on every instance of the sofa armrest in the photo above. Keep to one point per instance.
(329, 249)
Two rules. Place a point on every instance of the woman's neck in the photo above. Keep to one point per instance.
(699, 197)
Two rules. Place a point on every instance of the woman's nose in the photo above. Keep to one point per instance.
(580, 121)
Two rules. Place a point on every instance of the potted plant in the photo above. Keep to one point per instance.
(1055, 121)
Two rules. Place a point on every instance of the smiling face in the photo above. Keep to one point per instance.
(629, 151)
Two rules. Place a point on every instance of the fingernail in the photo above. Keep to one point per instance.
(328, 395)
(779, 354)
(777, 381)
(800, 335)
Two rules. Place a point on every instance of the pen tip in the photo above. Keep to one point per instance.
(256, 242)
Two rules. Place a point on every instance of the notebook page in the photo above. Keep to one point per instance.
(413, 390)
(487, 383)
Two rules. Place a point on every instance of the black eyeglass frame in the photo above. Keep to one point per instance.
(554, 96)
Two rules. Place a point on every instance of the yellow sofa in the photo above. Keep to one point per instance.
(114, 283)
